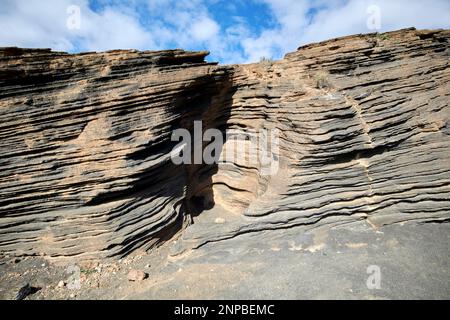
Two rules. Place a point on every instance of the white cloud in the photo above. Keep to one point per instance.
(113, 30)
(205, 29)
(34, 23)
(339, 18)
(181, 22)
(189, 24)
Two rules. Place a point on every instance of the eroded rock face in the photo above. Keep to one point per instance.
(86, 142)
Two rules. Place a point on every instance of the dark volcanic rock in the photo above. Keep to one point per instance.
(85, 143)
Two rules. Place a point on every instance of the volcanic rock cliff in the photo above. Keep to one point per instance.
(86, 170)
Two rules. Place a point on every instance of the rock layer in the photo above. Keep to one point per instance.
(86, 143)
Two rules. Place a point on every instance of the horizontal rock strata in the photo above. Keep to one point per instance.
(364, 126)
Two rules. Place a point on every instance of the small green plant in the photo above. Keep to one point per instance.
(87, 271)
(382, 36)
(266, 61)
(322, 80)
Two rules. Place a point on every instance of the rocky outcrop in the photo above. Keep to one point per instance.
(86, 170)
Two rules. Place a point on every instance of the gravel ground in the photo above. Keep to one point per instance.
(409, 261)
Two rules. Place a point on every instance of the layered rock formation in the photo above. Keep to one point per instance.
(86, 170)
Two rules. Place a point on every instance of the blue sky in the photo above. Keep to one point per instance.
(238, 31)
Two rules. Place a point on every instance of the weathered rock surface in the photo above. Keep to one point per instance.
(85, 143)
(136, 275)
